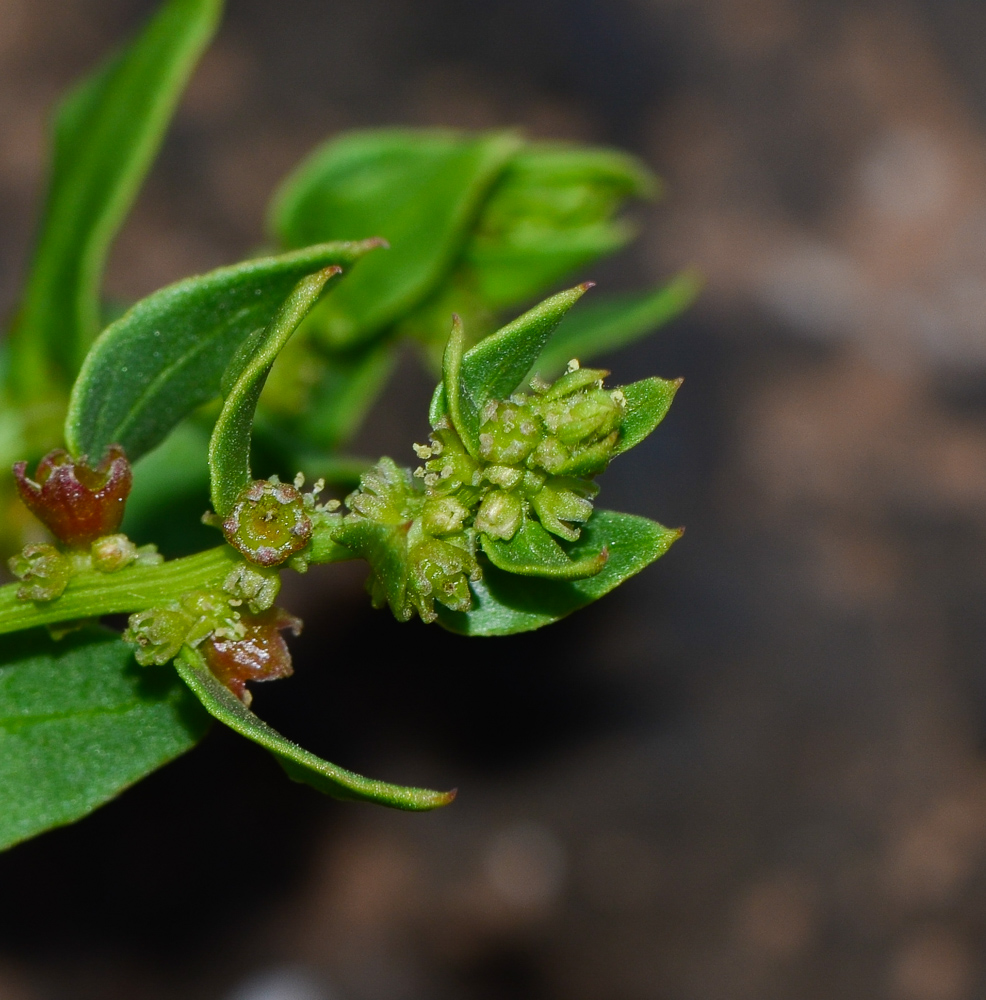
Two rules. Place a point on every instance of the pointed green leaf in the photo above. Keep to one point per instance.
(607, 324)
(505, 603)
(79, 723)
(300, 765)
(648, 402)
(533, 552)
(419, 190)
(229, 447)
(497, 365)
(461, 410)
(166, 356)
(106, 134)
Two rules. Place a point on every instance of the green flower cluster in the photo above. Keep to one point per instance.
(529, 478)
(158, 633)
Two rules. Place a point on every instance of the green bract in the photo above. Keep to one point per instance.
(504, 482)
(269, 365)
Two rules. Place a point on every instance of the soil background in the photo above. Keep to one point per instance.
(757, 771)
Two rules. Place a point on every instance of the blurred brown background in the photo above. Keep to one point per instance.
(757, 771)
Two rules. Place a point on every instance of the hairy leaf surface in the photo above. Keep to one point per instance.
(648, 402)
(534, 552)
(166, 356)
(506, 603)
(229, 447)
(79, 723)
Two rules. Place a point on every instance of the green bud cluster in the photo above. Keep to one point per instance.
(46, 570)
(159, 633)
(537, 454)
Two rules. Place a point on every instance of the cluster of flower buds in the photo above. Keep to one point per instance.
(237, 628)
(537, 455)
(82, 506)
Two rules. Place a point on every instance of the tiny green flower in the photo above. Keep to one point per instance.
(44, 570)
(269, 523)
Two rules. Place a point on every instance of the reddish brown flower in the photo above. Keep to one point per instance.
(77, 502)
(261, 655)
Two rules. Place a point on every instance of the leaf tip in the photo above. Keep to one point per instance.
(585, 286)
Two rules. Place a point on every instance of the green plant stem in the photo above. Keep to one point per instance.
(90, 595)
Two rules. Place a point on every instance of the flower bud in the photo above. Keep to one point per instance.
(583, 417)
(256, 587)
(268, 523)
(383, 493)
(112, 552)
(563, 500)
(438, 572)
(260, 655)
(44, 570)
(158, 634)
(443, 515)
(499, 515)
(509, 434)
(76, 502)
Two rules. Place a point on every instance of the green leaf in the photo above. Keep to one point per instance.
(551, 212)
(533, 552)
(505, 603)
(79, 723)
(604, 325)
(106, 134)
(648, 402)
(300, 765)
(229, 447)
(419, 190)
(166, 356)
(498, 364)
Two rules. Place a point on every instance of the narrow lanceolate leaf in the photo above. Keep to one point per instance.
(648, 402)
(300, 765)
(604, 325)
(106, 134)
(505, 603)
(497, 365)
(79, 723)
(91, 595)
(243, 381)
(419, 190)
(166, 356)
(533, 552)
